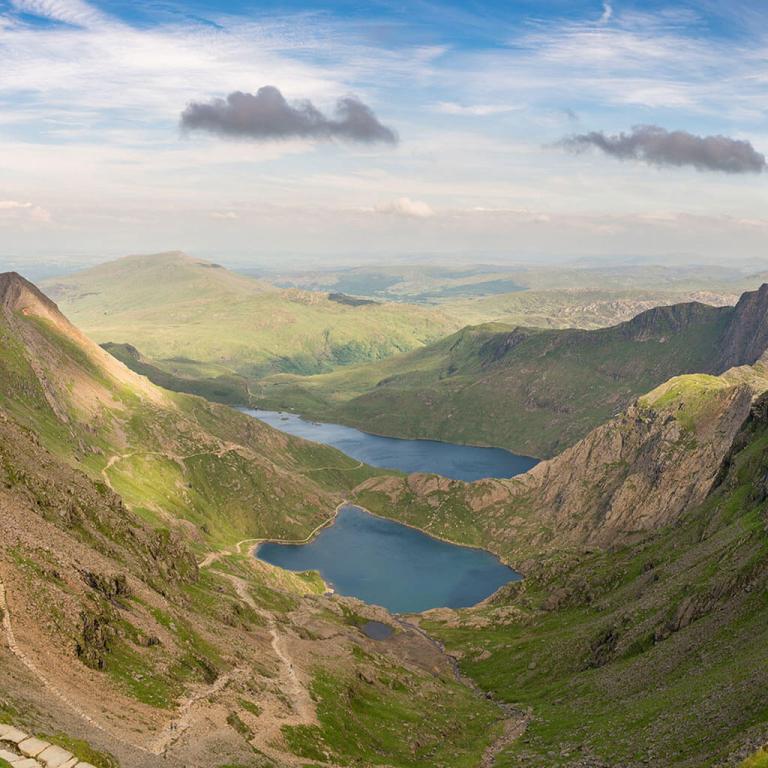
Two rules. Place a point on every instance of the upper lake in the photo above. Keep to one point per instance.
(389, 564)
(460, 462)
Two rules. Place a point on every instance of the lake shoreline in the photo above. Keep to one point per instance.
(456, 461)
(344, 423)
(330, 589)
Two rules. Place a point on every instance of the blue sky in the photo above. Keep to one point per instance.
(481, 94)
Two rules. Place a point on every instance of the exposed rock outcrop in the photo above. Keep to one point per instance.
(747, 335)
(636, 473)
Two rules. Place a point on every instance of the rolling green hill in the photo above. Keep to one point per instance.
(529, 390)
(196, 318)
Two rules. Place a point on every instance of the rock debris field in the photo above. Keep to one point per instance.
(24, 751)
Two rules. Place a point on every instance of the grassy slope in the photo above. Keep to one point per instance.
(186, 312)
(654, 654)
(531, 391)
(213, 382)
(146, 625)
(168, 455)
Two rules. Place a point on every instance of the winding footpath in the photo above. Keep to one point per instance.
(515, 720)
(13, 647)
(236, 549)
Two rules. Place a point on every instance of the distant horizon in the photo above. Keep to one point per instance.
(40, 268)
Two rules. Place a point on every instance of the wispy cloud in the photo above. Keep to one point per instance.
(475, 110)
(658, 146)
(607, 13)
(404, 206)
(267, 115)
(73, 12)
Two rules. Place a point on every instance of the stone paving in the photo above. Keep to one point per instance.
(24, 751)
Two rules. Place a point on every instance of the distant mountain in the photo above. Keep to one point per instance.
(530, 390)
(197, 319)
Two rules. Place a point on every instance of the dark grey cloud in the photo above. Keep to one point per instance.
(267, 115)
(657, 146)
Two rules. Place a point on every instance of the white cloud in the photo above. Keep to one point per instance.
(225, 215)
(607, 13)
(478, 110)
(404, 206)
(24, 213)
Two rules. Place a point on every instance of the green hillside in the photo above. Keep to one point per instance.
(655, 654)
(652, 649)
(168, 455)
(196, 318)
(532, 391)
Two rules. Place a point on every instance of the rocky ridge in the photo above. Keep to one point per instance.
(634, 474)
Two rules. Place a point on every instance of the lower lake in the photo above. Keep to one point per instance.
(460, 462)
(385, 563)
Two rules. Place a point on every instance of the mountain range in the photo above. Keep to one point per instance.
(138, 630)
(529, 390)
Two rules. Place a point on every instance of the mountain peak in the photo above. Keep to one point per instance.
(19, 294)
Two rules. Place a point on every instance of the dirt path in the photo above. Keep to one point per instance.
(359, 465)
(184, 714)
(290, 683)
(14, 648)
(296, 692)
(514, 727)
(115, 457)
(515, 720)
(212, 557)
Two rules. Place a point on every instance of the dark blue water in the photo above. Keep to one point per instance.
(461, 462)
(377, 630)
(389, 564)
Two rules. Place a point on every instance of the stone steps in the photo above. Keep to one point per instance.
(22, 750)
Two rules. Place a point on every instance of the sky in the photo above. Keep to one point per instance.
(345, 131)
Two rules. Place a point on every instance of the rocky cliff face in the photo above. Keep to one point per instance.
(747, 335)
(658, 322)
(634, 474)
